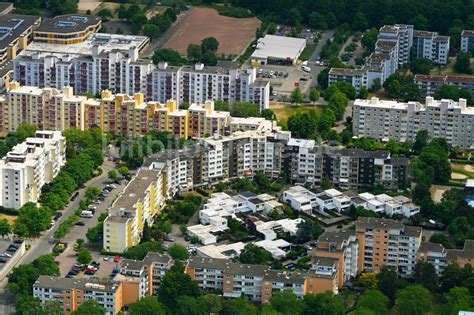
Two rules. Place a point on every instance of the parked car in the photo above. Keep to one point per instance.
(79, 223)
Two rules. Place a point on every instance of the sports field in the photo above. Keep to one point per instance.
(233, 34)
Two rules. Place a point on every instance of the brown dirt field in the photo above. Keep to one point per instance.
(232, 34)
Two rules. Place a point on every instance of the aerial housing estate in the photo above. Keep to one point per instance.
(392, 120)
(242, 153)
(29, 166)
(92, 62)
(395, 46)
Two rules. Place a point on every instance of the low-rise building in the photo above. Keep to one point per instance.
(430, 84)
(270, 229)
(67, 29)
(17, 33)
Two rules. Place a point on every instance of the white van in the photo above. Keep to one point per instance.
(86, 214)
(306, 68)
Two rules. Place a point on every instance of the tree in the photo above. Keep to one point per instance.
(174, 285)
(92, 192)
(213, 302)
(308, 229)
(252, 254)
(413, 300)
(112, 174)
(79, 245)
(420, 22)
(421, 66)
(152, 31)
(457, 299)
(178, 252)
(421, 140)
(425, 274)
(296, 96)
(463, 63)
(313, 95)
(84, 257)
(32, 219)
(146, 305)
(5, 227)
(52, 308)
(168, 55)
(46, 265)
(188, 305)
(369, 39)
(368, 280)
(89, 307)
(360, 22)
(240, 306)
(138, 252)
(363, 93)
(440, 238)
(209, 44)
(105, 14)
(146, 233)
(285, 302)
(194, 52)
(26, 305)
(123, 170)
(388, 282)
(323, 304)
(373, 300)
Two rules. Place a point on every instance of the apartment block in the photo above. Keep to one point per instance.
(387, 242)
(71, 293)
(142, 278)
(441, 257)
(92, 62)
(257, 282)
(431, 46)
(430, 84)
(384, 120)
(142, 199)
(467, 41)
(396, 45)
(29, 166)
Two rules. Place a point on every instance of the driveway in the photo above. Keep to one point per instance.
(68, 258)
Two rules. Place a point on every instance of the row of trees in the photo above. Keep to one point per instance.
(138, 20)
(447, 17)
(84, 156)
(35, 7)
(205, 52)
(134, 152)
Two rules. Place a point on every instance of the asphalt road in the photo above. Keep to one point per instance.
(45, 243)
(315, 69)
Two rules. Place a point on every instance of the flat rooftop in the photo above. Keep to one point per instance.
(106, 43)
(279, 47)
(70, 23)
(13, 26)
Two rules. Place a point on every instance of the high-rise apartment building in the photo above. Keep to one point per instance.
(396, 45)
(385, 120)
(29, 166)
(96, 62)
(467, 41)
(430, 45)
(387, 242)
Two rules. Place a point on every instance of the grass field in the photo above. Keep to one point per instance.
(282, 114)
(307, 52)
(233, 34)
(9, 217)
(446, 70)
(461, 172)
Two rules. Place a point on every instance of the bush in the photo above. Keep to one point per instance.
(66, 226)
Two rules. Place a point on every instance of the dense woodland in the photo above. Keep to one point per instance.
(435, 15)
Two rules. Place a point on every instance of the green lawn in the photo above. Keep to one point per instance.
(282, 114)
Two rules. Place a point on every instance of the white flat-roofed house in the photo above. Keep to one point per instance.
(300, 199)
(269, 229)
(376, 206)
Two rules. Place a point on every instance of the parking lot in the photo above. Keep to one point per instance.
(67, 259)
(284, 79)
